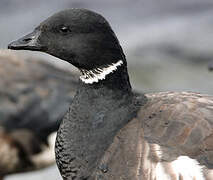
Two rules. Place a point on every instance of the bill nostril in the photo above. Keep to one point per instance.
(27, 39)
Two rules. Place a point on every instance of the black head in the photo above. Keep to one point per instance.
(78, 36)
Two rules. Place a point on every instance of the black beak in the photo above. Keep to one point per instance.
(28, 42)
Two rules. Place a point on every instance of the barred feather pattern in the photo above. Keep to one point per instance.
(171, 138)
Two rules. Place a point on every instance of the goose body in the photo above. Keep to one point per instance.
(109, 132)
(170, 138)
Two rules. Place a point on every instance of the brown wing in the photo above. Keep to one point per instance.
(181, 123)
(169, 125)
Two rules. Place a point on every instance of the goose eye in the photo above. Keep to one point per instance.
(65, 29)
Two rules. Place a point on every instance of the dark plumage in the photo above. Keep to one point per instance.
(109, 132)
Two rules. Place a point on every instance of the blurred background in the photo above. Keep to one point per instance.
(168, 43)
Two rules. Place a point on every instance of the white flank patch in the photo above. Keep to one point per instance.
(183, 166)
(188, 168)
(94, 75)
(161, 174)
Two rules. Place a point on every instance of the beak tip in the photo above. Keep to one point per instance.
(19, 46)
(13, 45)
(10, 46)
(28, 42)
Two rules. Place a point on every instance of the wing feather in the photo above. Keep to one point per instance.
(181, 123)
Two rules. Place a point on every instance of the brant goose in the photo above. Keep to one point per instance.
(30, 90)
(109, 132)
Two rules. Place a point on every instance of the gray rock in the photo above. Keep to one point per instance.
(33, 94)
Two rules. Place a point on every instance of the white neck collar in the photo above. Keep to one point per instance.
(94, 75)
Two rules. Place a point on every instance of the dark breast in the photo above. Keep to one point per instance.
(87, 131)
(64, 161)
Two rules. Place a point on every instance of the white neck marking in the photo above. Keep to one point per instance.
(94, 75)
